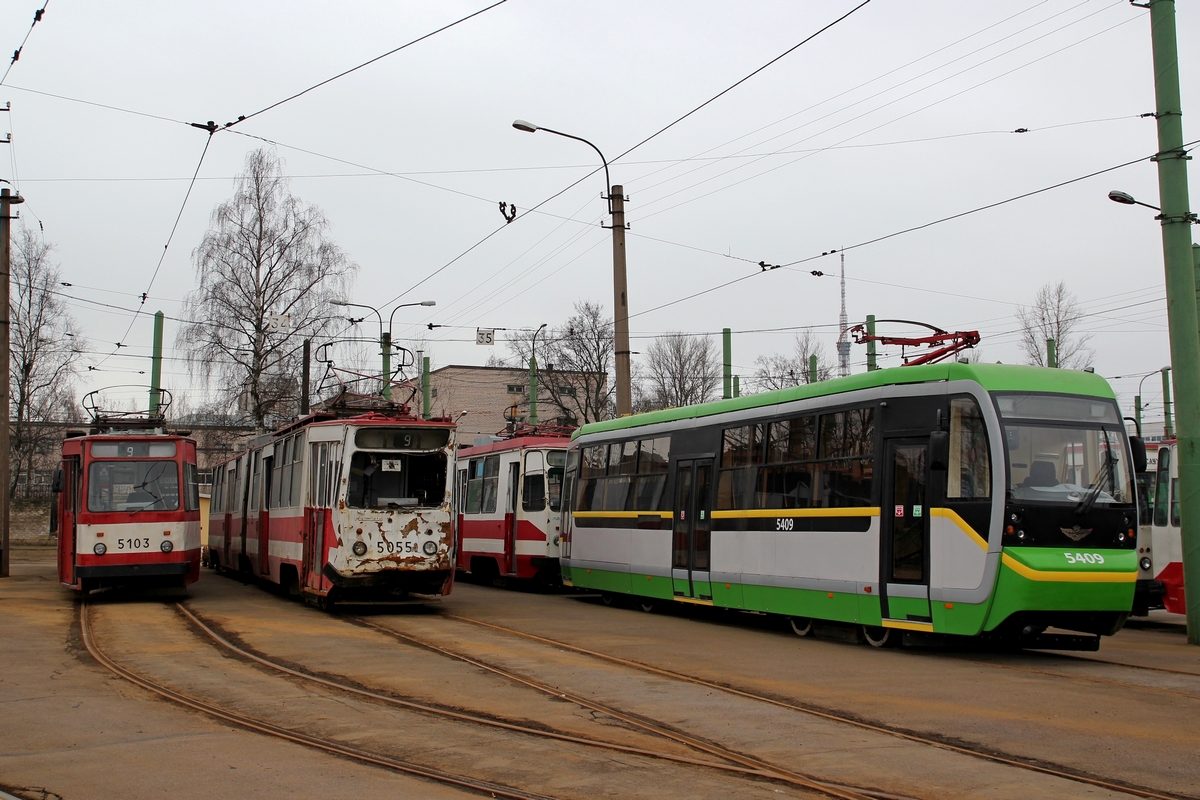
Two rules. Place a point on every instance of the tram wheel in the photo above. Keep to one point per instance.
(647, 606)
(881, 637)
(801, 626)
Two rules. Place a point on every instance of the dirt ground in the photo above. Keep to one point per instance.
(71, 729)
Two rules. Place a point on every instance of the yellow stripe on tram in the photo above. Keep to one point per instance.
(950, 514)
(1072, 577)
(905, 625)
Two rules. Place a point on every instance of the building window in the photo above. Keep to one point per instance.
(566, 391)
(516, 388)
(433, 392)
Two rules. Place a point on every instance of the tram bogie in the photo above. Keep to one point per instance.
(341, 508)
(508, 504)
(976, 500)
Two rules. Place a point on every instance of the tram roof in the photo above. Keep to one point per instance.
(992, 377)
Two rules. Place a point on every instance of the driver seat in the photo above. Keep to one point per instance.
(1041, 474)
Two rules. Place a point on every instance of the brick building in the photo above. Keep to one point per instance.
(488, 393)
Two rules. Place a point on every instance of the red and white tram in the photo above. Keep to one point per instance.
(1159, 545)
(127, 509)
(508, 504)
(340, 508)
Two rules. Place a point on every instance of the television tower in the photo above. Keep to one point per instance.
(843, 343)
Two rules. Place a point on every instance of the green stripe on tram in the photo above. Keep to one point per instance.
(992, 377)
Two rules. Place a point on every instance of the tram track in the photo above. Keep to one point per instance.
(296, 737)
(1108, 681)
(738, 763)
(834, 716)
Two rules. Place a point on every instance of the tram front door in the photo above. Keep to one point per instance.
(904, 530)
(692, 529)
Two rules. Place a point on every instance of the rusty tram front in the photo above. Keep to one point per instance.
(354, 509)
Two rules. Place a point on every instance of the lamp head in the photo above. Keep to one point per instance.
(528, 127)
(339, 302)
(429, 302)
(1124, 198)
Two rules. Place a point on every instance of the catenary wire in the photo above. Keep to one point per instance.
(37, 17)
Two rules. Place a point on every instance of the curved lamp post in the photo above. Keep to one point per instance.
(616, 208)
(385, 338)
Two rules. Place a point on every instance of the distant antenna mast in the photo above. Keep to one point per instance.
(843, 343)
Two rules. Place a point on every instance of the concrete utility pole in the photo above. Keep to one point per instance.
(385, 342)
(737, 386)
(1051, 354)
(7, 201)
(727, 364)
(426, 411)
(812, 368)
(1180, 272)
(620, 303)
(305, 377)
(156, 365)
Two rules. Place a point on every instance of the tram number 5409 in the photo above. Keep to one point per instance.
(785, 524)
(1084, 558)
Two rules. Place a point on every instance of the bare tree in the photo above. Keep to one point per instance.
(265, 256)
(1054, 315)
(575, 360)
(681, 370)
(784, 370)
(44, 356)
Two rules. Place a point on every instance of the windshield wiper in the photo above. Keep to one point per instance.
(1089, 500)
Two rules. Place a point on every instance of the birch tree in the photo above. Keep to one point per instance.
(1054, 315)
(266, 259)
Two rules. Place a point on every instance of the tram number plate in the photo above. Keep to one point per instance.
(397, 547)
(135, 543)
(1084, 558)
(785, 524)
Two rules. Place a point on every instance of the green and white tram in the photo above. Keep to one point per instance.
(966, 499)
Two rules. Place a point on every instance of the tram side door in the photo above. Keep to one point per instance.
(904, 530)
(68, 506)
(510, 516)
(692, 529)
(264, 520)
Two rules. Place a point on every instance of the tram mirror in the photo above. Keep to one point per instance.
(1138, 445)
(57, 481)
(939, 450)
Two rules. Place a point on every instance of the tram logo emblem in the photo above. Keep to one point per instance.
(1075, 533)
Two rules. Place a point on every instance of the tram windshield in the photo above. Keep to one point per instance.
(1080, 466)
(133, 486)
(385, 473)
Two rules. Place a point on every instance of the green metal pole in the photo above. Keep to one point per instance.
(426, 412)
(156, 365)
(533, 390)
(727, 375)
(385, 343)
(1137, 412)
(871, 365)
(812, 368)
(737, 386)
(1182, 317)
(1051, 354)
(1168, 427)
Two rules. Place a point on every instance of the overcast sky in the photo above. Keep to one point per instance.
(897, 116)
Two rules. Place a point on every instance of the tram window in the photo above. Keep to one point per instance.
(133, 486)
(1175, 502)
(407, 479)
(554, 487)
(491, 484)
(629, 457)
(743, 446)
(792, 440)
(1161, 484)
(533, 492)
(845, 484)
(319, 481)
(595, 459)
(296, 494)
(616, 494)
(735, 488)
(846, 434)
(786, 486)
(191, 496)
(556, 458)
(255, 483)
(474, 486)
(969, 475)
(216, 504)
(655, 455)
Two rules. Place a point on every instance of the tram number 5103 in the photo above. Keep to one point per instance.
(1084, 558)
(785, 524)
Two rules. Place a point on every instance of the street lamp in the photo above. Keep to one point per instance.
(533, 377)
(1126, 199)
(1137, 400)
(385, 338)
(616, 207)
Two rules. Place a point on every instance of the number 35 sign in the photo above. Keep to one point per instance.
(485, 336)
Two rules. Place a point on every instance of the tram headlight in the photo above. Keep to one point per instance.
(429, 547)
(1145, 563)
(100, 549)
(360, 549)
(166, 546)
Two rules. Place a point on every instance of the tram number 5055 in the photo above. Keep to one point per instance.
(785, 524)
(1084, 558)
